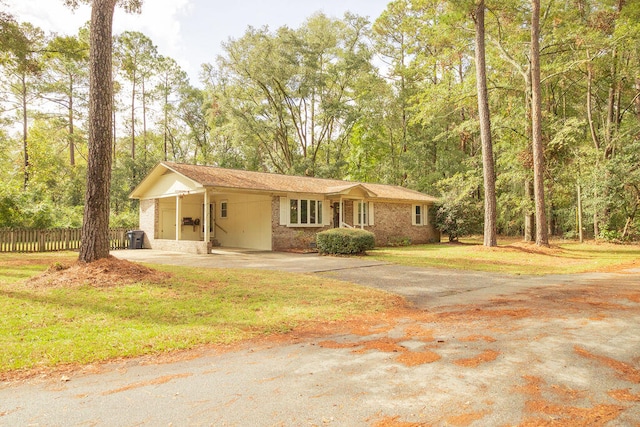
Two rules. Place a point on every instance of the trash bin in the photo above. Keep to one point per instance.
(136, 239)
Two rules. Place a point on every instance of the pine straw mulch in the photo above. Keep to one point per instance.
(104, 273)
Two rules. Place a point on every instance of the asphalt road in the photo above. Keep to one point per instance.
(479, 350)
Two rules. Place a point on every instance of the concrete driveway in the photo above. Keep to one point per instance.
(239, 258)
(482, 350)
(426, 288)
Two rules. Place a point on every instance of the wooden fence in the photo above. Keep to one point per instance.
(58, 239)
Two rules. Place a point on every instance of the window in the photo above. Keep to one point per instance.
(293, 212)
(305, 212)
(364, 210)
(420, 215)
(223, 209)
(363, 213)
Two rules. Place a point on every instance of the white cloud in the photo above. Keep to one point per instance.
(190, 31)
(159, 20)
(50, 15)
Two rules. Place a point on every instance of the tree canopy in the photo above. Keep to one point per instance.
(392, 100)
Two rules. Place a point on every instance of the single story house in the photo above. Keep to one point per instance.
(192, 208)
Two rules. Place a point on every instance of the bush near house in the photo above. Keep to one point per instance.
(345, 241)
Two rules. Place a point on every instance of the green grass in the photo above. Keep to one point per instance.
(512, 256)
(47, 326)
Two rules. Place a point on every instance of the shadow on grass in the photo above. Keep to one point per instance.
(159, 310)
(612, 253)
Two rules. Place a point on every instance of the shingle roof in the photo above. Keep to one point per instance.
(211, 176)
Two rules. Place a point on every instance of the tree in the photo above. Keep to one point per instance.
(623, 192)
(291, 93)
(193, 114)
(459, 214)
(392, 33)
(485, 130)
(95, 226)
(171, 79)
(67, 59)
(23, 64)
(12, 38)
(542, 234)
(313, 96)
(443, 127)
(137, 56)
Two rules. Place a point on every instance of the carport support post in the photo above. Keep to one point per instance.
(206, 220)
(178, 215)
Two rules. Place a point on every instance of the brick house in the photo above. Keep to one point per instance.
(191, 208)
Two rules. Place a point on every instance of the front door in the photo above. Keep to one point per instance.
(336, 215)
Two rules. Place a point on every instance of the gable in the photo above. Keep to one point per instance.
(165, 184)
(358, 191)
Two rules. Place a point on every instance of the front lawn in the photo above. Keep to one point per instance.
(59, 324)
(515, 257)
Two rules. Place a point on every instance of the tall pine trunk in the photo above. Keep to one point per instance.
(133, 118)
(485, 131)
(529, 220)
(95, 228)
(637, 98)
(166, 118)
(25, 130)
(72, 147)
(144, 121)
(542, 234)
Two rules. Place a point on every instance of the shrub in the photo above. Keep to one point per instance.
(126, 219)
(454, 221)
(610, 235)
(345, 241)
(460, 212)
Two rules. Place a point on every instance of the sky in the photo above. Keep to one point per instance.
(191, 31)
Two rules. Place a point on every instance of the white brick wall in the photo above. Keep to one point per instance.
(149, 221)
